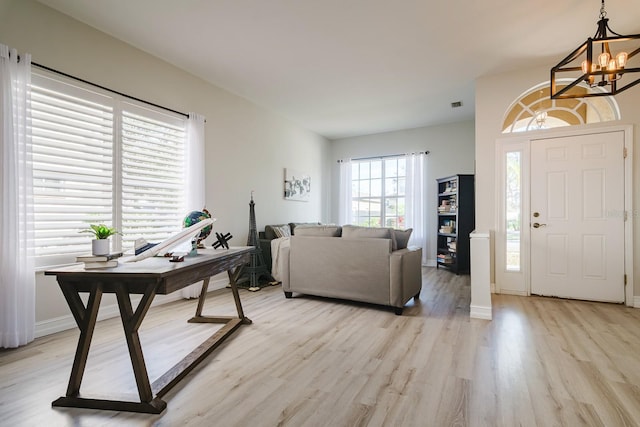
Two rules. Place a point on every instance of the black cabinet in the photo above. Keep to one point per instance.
(456, 220)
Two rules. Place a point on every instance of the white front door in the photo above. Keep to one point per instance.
(577, 216)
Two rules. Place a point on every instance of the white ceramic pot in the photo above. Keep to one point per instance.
(100, 247)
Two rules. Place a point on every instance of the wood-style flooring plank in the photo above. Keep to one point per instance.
(311, 361)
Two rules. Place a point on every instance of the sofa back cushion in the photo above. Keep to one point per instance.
(354, 232)
(319, 230)
(293, 225)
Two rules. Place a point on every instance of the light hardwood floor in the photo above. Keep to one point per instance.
(318, 362)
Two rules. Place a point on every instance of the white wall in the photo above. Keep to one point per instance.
(247, 147)
(494, 95)
(451, 151)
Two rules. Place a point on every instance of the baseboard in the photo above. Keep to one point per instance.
(493, 288)
(513, 292)
(636, 301)
(63, 323)
(478, 312)
(431, 263)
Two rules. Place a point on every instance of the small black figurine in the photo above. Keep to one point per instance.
(222, 240)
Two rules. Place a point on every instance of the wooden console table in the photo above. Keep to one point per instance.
(148, 278)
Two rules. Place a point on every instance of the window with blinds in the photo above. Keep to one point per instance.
(100, 159)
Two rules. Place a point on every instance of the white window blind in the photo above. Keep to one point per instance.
(153, 148)
(100, 159)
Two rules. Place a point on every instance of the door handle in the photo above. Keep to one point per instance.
(536, 225)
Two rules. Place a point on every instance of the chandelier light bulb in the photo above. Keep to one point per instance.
(621, 59)
(612, 65)
(585, 67)
(603, 59)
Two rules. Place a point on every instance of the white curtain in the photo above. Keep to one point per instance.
(194, 179)
(415, 202)
(17, 274)
(345, 214)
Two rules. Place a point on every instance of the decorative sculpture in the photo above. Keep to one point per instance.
(222, 240)
(257, 268)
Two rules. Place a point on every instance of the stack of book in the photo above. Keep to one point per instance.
(99, 261)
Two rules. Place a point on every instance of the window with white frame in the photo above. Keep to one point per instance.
(98, 158)
(378, 192)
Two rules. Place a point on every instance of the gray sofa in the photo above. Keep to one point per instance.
(371, 265)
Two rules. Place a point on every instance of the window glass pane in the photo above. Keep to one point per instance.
(391, 222)
(364, 170)
(376, 169)
(355, 170)
(391, 207)
(391, 167)
(391, 187)
(375, 207)
(513, 212)
(364, 188)
(376, 187)
(401, 186)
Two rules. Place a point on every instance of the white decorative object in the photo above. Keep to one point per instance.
(185, 235)
(100, 246)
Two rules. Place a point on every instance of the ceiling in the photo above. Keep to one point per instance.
(353, 67)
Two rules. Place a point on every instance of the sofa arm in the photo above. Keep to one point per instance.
(280, 264)
(405, 269)
(265, 247)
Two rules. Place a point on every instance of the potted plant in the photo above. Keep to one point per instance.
(100, 245)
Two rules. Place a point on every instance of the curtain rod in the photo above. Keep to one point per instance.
(387, 156)
(44, 67)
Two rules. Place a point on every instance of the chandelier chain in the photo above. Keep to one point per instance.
(603, 13)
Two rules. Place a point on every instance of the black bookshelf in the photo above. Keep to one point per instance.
(456, 220)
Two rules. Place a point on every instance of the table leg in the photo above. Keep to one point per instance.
(131, 322)
(199, 318)
(86, 320)
(236, 297)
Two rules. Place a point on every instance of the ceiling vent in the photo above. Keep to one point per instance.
(456, 104)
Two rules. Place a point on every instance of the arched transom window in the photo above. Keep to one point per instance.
(536, 110)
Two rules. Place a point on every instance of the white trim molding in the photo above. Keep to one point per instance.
(480, 275)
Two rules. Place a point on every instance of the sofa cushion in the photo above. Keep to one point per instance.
(319, 230)
(354, 231)
(400, 238)
(269, 231)
(293, 225)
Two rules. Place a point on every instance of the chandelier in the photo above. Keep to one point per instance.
(605, 64)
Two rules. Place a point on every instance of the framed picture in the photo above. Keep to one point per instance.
(297, 185)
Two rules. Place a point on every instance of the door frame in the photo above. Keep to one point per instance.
(519, 282)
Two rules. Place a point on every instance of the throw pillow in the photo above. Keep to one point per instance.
(282, 231)
(269, 230)
(354, 231)
(400, 238)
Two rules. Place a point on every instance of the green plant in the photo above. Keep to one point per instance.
(101, 231)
